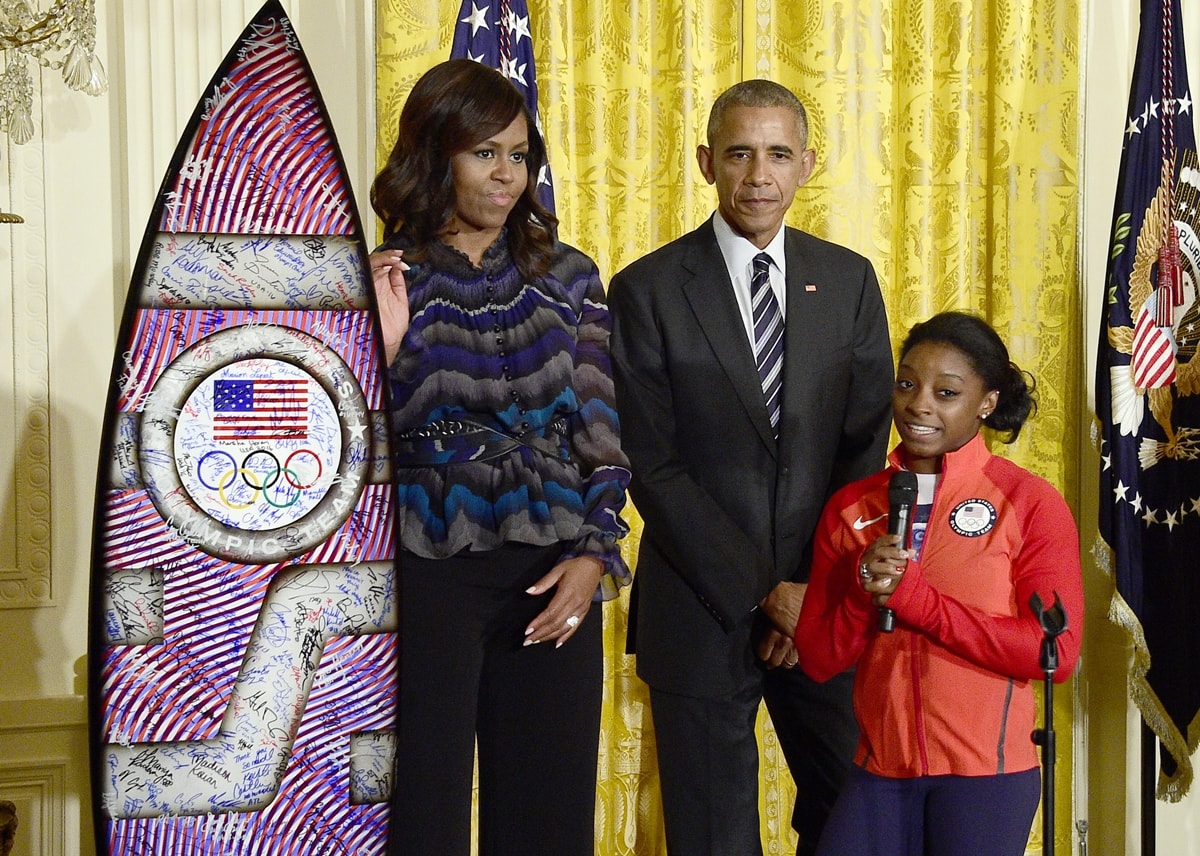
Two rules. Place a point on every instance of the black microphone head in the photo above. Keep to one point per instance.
(902, 497)
(902, 489)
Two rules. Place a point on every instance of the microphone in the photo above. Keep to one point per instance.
(902, 497)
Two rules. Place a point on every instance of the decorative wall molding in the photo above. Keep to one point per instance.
(25, 495)
(44, 772)
(39, 791)
(52, 713)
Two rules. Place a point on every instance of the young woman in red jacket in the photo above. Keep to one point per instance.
(945, 701)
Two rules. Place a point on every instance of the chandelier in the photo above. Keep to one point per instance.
(62, 38)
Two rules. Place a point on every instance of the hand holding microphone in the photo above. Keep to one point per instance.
(902, 500)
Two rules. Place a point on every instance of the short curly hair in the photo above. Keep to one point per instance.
(756, 93)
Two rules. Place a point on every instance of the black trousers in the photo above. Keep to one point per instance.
(708, 760)
(535, 710)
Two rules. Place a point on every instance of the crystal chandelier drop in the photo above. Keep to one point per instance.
(62, 38)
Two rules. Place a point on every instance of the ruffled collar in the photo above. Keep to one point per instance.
(442, 256)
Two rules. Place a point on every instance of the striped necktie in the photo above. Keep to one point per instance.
(768, 336)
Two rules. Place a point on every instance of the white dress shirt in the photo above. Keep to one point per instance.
(739, 255)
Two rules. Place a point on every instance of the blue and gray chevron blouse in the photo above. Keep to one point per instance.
(490, 349)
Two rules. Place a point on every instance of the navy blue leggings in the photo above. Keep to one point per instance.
(932, 815)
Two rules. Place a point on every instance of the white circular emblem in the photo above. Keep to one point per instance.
(254, 443)
(257, 444)
(973, 517)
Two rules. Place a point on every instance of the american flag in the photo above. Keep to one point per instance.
(269, 409)
(976, 513)
(1148, 396)
(496, 33)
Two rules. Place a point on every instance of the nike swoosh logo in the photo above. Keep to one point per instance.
(863, 524)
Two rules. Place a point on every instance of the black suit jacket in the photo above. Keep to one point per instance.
(728, 511)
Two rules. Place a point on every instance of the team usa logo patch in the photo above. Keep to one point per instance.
(973, 517)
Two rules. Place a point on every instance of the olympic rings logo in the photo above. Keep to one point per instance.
(262, 475)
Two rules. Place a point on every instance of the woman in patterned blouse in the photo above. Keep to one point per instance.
(511, 478)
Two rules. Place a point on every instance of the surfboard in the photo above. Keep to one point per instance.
(242, 647)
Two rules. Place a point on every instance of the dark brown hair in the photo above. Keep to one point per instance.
(456, 105)
(988, 356)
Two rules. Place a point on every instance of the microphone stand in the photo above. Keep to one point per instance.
(1053, 622)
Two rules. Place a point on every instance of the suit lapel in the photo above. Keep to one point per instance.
(804, 336)
(710, 294)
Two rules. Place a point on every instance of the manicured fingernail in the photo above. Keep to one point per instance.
(528, 629)
(531, 590)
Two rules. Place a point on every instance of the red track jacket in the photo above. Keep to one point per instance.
(950, 691)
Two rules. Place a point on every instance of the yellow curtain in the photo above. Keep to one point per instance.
(947, 143)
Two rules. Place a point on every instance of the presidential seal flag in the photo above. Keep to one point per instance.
(496, 33)
(1148, 396)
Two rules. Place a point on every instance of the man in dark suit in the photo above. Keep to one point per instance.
(735, 448)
